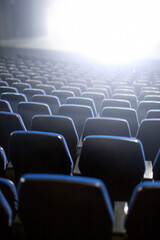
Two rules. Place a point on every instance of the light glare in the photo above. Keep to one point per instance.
(113, 31)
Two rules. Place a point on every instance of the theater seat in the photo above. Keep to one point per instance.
(14, 99)
(9, 191)
(9, 122)
(28, 109)
(144, 107)
(39, 152)
(79, 113)
(143, 221)
(128, 114)
(3, 162)
(52, 101)
(148, 134)
(64, 207)
(5, 218)
(118, 161)
(58, 124)
(106, 126)
(5, 106)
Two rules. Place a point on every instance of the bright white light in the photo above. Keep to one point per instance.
(113, 31)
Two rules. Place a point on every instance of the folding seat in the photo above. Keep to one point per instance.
(148, 134)
(142, 220)
(12, 80)
(82, 101)
(156, 84)
(5, 106)
(106, 126)
(39, 152)
(33, 83)
(9, 122)
(64, 207)
(75, 90)
(39, 78)
(7, 89)
(62, 95)
(14, 99)
(143, 94)
(97, 98)
(52, 101)
(47, 88)
(15, 72)
(82, 86)
(152, 98)
(60, 125)
(145, 106)
(123, 91)
(5, 218)
(60, 80)
(3, 83)
(138, 86)
(106, 87)
(3, 162)
(129, 114)
(21, 86)
(56, 85)
(79, 113)
(116, 84)
(98, 90)
(28, 109)
(153, 114)
(30, 92)
(115, 103)
(9, 191)
(118, 161)
(22, 77)
(129, 97)
(5, 75)
(149, 89)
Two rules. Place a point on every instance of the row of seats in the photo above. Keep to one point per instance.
(148, 132)
(58, 206)
(83, 131)
(45, 104)
(35, 151)
(94, 93)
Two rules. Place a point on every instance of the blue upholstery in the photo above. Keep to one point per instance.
(52, 101)
(14, 99)
(58, 124)
(5, 106)
(39, 152)
(148, 134)
(82, 101)
(28, 109)
(79, 113)
(129, 114)
(5, 218)
(106, 126)
(118, 161)
(64, 207)
(145, 106)
(142, 221)
(3, 162)
(9, 191)
(9, 122)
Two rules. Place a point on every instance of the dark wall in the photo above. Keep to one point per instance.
(22, 18)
